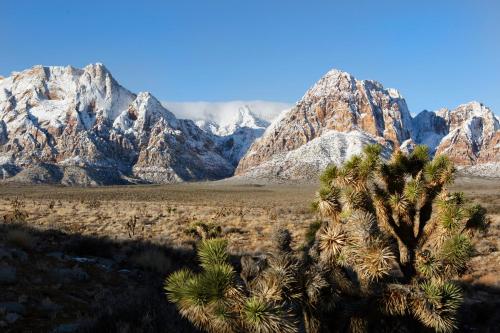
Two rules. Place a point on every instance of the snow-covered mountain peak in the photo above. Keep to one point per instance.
(332, 82)
(225, 119)
(466, 134)
(466, 112)
(472, 108)
(98, 66)
(224, 112)
(97, 70)
(146, 110)
(49, 92)
(67, 117)
(237, 124)
(394, 93)
(246, 118)
(148, 103)
(337, 102)
(208, 126)
(335, 74)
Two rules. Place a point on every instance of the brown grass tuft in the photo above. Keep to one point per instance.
(154, 260)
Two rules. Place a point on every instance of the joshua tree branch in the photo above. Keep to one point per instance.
(425, 211)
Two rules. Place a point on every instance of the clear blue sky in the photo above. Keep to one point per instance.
(437, 53)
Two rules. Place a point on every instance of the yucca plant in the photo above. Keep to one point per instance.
(201, 230)
(384, 258)
(398, 235)
(216, 300)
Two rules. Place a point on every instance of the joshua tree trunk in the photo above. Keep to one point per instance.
(406, 260)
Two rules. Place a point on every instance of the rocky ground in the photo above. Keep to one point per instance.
(57, 282)
(74, 259)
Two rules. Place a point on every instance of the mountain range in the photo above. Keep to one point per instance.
(340, 114)
(80, 126)
(237, 123)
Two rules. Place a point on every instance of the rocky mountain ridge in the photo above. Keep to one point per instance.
(340, 106)
(79, 126)
(237, 135)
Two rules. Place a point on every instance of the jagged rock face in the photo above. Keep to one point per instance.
(307, 161)
(70, 117)
(490, 152)
(79, 126)
(336, 102)
(473, 130)
(429, 129)
(339, 105)
(236, 136)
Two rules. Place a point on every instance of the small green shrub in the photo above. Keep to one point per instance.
(311, 231)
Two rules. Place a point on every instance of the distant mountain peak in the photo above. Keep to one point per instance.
(236, 133)
(339, 103)
(330, 83)
(336, 74)
(81, 119)
(246, 118)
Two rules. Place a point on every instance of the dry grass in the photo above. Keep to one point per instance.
(154, 260)
(247, 214)
(106, 222)
(163, 214)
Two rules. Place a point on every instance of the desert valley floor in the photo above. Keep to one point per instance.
(81, 251)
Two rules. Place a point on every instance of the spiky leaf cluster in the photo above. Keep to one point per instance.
(388, 243)
(216, 300)
(201, 230)
(396, 226)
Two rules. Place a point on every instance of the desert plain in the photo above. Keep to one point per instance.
(95, 258)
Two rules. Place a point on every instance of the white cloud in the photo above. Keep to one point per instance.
(225, 112)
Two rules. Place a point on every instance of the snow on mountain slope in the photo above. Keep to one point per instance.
(307, 161)
(236, 123)
(243, 117)
(491, 170)
(79, 126)
(469, 134)
(465, 134)
(236, 137)
(336, 102)
(62, 118)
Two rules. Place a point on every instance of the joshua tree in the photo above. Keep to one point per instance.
(201, 230)
(392, 241)
(216, 301)
(400, 232)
